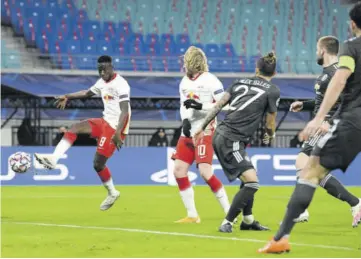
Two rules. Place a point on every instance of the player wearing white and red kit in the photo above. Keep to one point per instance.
(110, 131)
(199, 90)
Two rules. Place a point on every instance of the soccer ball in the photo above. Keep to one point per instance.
(20, 162)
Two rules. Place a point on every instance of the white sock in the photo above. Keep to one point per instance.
(248, 219)
(60, 149)
(222, 197)
(188, 201)
(109, 185)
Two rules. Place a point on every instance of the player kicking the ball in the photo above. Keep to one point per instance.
(199, 89)
(110, 131)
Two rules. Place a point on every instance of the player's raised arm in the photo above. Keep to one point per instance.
(213, 113)
(62, 100)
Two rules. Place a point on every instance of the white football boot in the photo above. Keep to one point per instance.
(356, 214)
(109, 200)
(303, 217)
(47, 161)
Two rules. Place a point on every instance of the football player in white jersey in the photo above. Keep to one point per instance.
(199, 90)
(110, 131)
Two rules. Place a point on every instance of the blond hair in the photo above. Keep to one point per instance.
(195, 61)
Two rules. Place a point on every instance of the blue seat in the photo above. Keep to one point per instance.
(120, 48)
(136, 50)
(225, 65)
(92, 28)
(167, 38)
(89, 48)
(151, 49)
(239, 64)
(105, 48)
(86, 62)
(123, 63)
(17, 15)
(182, 39)
(212, 50)
(213, 64)
(124, 28)
(152, 38)
(166, 50)
(227, 50)
(180, 49)
(31, 30)
(110, 28)
(136, 38)
(73, 47)
(5, 13)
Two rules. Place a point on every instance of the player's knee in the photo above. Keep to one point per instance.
(98, 166)
(180, 171)
(205, 171)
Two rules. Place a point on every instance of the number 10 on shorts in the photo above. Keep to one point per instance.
(201, 150)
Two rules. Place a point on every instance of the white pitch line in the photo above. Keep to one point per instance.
(134, 230)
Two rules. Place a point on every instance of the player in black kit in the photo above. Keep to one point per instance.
(249, 99)
(327, 49)
(338, 148)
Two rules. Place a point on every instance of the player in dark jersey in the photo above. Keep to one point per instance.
(327, 49)
(338, 148)
(249, 99)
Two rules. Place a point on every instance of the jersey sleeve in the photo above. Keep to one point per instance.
(184, 112)
(217, 90)
(123, 91)
(96, 88)
(273, 100)
(347, 56)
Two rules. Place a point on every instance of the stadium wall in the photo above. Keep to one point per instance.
(153, 166)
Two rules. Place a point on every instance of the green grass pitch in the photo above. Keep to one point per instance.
(67, 222)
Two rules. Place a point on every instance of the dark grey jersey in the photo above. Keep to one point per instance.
(250, 99)
(350, 58)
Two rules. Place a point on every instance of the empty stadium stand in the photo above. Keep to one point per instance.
(150, 35)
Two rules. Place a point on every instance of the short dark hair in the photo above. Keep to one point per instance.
(355, 14)
(104, 59)
(331, 44)
(267, 64)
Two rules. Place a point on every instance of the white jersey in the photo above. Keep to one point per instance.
(205, 89)
(112, 93)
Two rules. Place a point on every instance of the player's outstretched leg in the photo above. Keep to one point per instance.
(106, 178)
(337, 190)
(50, 161)
(299, 202)
(248, 222)
(241, 199)
(186, 192)
(215, 184)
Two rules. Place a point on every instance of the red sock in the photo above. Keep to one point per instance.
(70, 136)
(183, 183)
(105, 174)
(214, 183)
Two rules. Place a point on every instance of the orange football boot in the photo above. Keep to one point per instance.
(189, 220)
(276, 247)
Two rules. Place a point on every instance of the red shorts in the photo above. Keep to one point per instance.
(201, 153)
(103, 132)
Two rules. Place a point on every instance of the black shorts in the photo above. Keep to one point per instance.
(339, 147)
(232, 156)
(308, 145)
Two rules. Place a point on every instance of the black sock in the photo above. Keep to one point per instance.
(299, 202)
(247, 210)
(337, 190)
(241, 199)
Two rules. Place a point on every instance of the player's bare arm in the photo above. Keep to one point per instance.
(332, 94)
(213, 113)
(270, 128)
(123, 120)
(62, 100)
